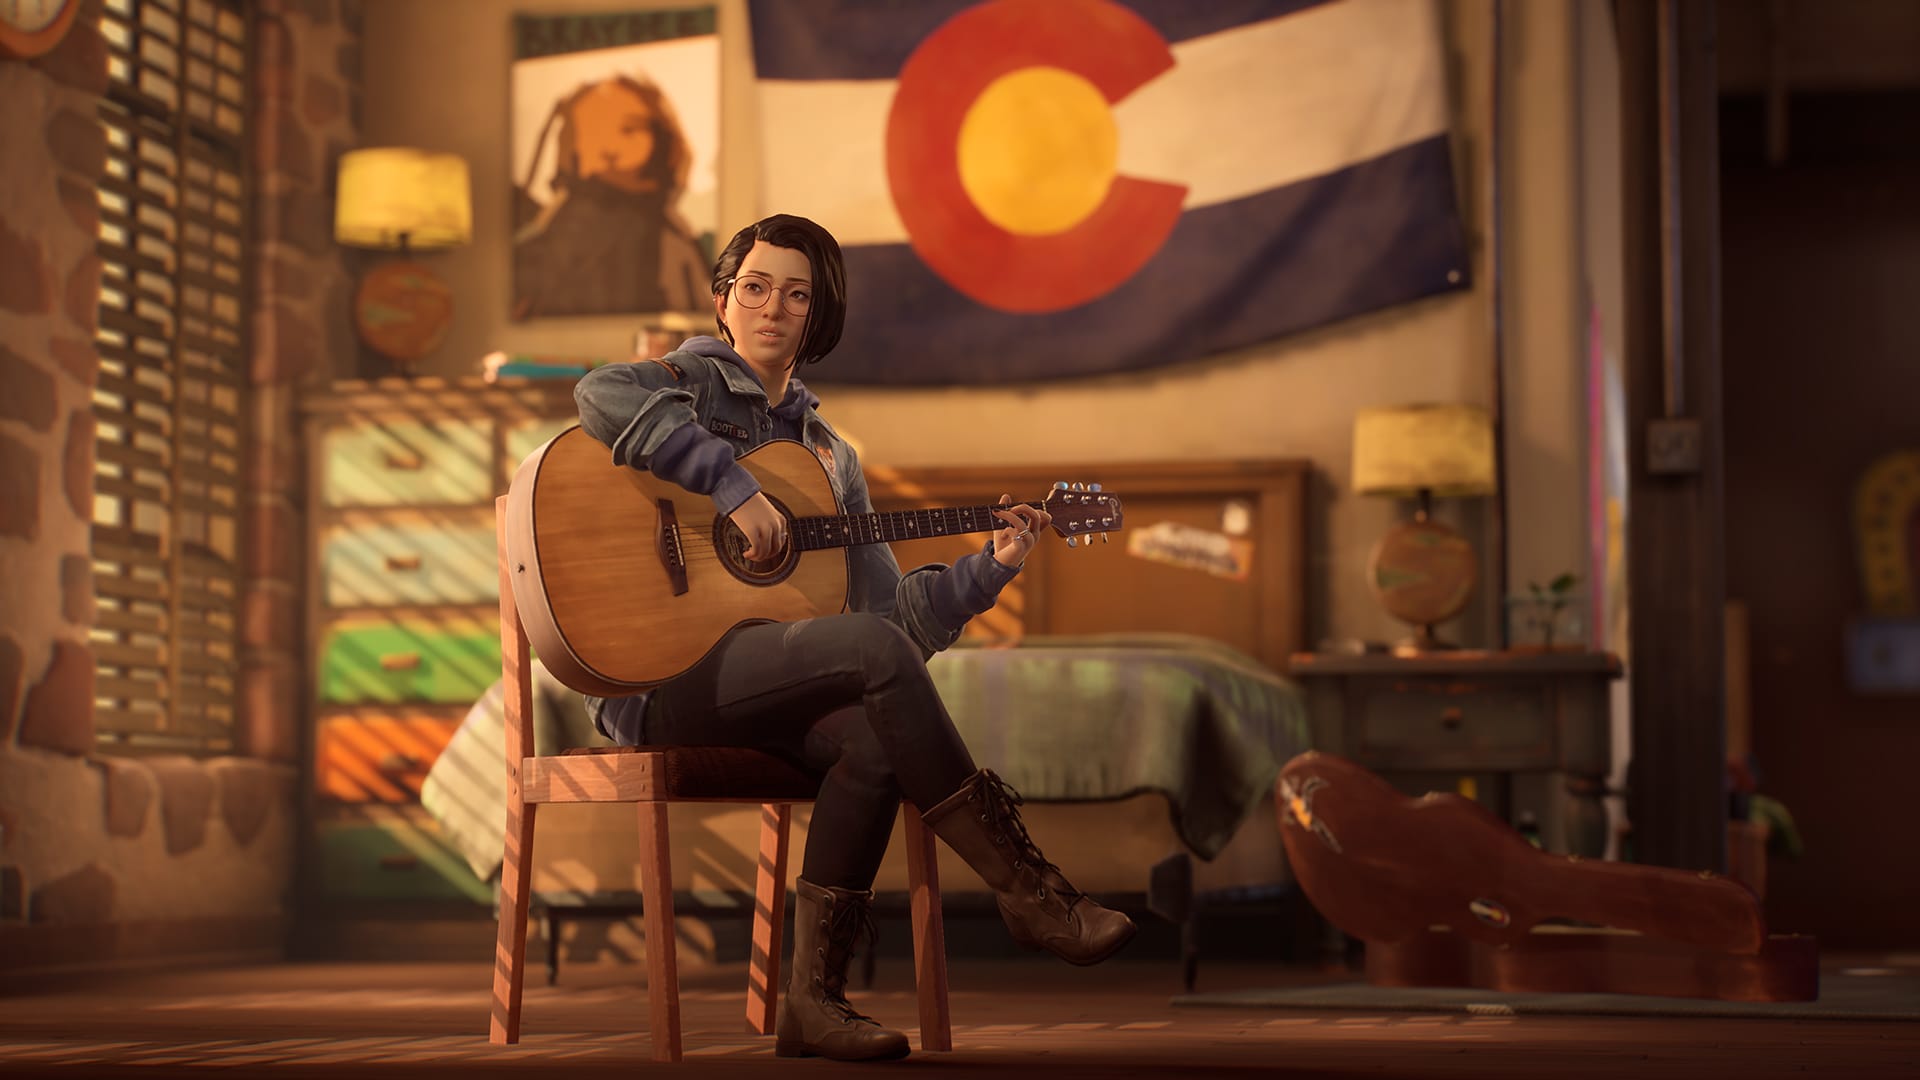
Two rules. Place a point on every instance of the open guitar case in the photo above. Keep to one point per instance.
(1444, 893)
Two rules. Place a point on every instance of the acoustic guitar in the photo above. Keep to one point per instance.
(624, 580)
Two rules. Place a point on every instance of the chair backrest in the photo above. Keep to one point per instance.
(516, 674)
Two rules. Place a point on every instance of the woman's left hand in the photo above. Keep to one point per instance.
(1012, 543)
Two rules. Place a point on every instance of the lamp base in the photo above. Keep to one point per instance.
(1422, 573)
(402, 311)
(1422, 641)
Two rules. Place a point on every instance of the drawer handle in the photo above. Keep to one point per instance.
(405, 661)
(396, 764)
(397, 563)
(405, 461)
(1452, 717)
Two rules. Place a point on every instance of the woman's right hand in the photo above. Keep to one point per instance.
(764, 528)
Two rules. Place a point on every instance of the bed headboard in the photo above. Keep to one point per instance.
(1177, 514)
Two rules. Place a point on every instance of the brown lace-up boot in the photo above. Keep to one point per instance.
(981, 822)
(815, 1019)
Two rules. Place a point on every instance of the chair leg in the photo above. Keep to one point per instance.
(929, 933)
(656, 888)
(516, 864)
(769, 918)
(516, 895)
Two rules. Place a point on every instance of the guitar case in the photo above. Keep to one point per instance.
(1444, 893)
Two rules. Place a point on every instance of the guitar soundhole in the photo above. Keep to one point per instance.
(730, 544)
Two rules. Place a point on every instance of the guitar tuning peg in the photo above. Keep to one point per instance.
(1060, 485)
(1073, 541)
(1095, 487)
(1104, 538)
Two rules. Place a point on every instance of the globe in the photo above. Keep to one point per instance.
(403, 311)
(1422, 572)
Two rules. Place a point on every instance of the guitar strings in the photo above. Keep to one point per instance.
(704, 534)
(703, 542)
(698, 541)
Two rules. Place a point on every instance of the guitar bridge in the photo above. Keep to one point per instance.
(666, 543)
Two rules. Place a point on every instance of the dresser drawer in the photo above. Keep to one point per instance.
(410, 559)
(396, 853)
(378, 756)
(451, 659)
(1444, 723)
(402, 463)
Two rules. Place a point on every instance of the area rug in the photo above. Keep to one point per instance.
(1843, 996)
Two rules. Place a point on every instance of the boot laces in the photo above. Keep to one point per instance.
(1003, 817)
(847, 923)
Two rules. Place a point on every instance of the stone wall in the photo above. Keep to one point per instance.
(117, 859)
(306, 113)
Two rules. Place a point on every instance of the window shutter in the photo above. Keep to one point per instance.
(172, 316)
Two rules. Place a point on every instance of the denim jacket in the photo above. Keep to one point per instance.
(686, 417)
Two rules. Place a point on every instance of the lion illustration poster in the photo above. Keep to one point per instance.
(616, 136)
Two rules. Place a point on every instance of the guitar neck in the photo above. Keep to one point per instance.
(848, 530)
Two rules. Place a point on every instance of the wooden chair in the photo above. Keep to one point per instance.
(655, 777)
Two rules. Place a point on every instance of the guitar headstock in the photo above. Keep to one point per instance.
(1082, 510)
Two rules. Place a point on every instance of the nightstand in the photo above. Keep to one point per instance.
(1530, 731)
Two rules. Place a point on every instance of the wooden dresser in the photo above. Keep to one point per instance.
(403, 617)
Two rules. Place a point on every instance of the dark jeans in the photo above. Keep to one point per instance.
(845, 697)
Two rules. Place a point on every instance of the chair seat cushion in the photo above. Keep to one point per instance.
(729, 773)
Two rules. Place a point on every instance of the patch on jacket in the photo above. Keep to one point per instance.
(670, 366)
(825, 453)
(731, 431)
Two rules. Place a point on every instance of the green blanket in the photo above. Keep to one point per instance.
(1113, 715)
(1061, 719)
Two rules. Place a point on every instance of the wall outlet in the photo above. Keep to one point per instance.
(1673, 446)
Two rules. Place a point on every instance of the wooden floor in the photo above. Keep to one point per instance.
(1029, 1017)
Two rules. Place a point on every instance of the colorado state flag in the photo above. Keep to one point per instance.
(1029, 189)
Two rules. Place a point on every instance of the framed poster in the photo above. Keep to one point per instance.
(615, 140)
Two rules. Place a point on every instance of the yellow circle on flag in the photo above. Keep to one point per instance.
(1038, 151)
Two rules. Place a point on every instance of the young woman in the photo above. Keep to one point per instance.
(845, 696)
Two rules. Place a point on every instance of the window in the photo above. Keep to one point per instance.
(167, 404)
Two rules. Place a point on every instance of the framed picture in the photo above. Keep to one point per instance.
(616, 137)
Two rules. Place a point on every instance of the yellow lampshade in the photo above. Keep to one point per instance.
(1445, 449)
(392, 197)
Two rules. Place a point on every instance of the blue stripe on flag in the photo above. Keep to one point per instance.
(1232, 274)
(871, 40)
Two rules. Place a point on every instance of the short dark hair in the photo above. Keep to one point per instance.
(828, 312)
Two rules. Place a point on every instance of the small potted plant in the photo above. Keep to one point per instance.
(1547, 617)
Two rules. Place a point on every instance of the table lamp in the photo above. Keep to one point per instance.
(405, 200)
(1422, 571)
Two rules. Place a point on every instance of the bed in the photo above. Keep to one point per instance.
(1133, 691)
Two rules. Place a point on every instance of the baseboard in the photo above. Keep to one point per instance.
(43, 948)
(397, 936)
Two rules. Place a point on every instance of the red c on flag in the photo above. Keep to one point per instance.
(1109, 46)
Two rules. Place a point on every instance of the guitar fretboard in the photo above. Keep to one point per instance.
(845, 530)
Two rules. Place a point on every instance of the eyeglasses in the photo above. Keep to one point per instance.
(752, 292)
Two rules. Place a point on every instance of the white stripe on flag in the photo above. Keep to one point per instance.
(1312, 92)
(1272, 103)
(823, 155)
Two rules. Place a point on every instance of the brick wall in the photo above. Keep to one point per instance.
(120, 859)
